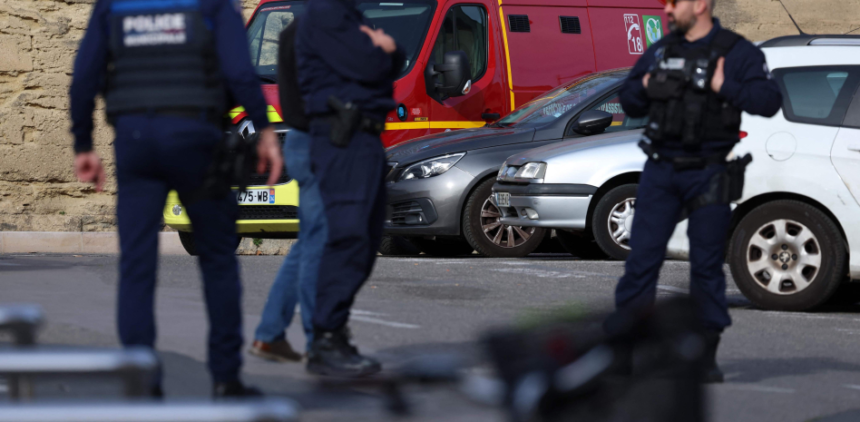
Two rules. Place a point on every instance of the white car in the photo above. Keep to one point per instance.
(795, 233)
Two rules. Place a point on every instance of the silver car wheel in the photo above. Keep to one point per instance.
(620, 222)
(784, 257)
(502, 235)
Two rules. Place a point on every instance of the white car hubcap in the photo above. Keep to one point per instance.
(621, 222)
(784, 257)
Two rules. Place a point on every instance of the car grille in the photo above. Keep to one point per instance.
(408, 213)
(268, 212)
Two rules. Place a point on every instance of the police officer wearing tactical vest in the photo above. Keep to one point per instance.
(346, 74)
(693, 84)
(166, 69)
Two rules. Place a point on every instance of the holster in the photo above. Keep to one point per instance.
(232, 163)
(345, 121)
(725, 187)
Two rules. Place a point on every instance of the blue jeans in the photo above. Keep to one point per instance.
(296, 281)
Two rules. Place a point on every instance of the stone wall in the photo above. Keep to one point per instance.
(38, 40)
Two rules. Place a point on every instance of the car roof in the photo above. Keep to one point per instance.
(812, 40)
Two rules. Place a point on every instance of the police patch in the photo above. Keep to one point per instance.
(149, 30)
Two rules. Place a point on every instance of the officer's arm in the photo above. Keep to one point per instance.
(341, 44)
(748, 83)
(633, 96)
(235, 60)
(89, 76)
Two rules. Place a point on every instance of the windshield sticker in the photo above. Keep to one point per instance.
(653, 29)
(269, 9)
(611, 108)
(634, 34)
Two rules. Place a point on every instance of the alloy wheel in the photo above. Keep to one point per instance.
(502, 235)
(784, 256)
(620, 222)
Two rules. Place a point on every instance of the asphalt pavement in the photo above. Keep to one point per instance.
(779, 366)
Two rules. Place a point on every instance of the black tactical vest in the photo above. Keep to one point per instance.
(162, 56)
(685, 112)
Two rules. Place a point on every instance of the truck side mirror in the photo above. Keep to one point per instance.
(449, 79)
(592, 122)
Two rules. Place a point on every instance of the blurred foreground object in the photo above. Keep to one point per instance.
(578, 369)
(252, 411)
(23, 321)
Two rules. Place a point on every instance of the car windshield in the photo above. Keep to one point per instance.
(407, 22)
(550, 106)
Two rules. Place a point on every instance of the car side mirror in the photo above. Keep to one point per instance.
(592, 122)
(449, 79)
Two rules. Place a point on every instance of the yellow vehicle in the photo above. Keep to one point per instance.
(269, 212)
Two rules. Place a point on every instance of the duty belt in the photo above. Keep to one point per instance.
(683, 163)
(366, 124)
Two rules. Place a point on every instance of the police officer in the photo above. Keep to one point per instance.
(346, 73)
(165, 68)
(693, 84)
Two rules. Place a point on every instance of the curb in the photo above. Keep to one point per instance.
(78, 243)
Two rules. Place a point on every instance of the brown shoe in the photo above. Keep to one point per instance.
(279, 351)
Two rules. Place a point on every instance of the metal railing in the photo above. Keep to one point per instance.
(23, 321)
(134, 367)
(269, 410)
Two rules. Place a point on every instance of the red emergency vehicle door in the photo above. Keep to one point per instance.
(474, 29)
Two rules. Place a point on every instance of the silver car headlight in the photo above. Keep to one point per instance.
(531, 171)
(431, 167)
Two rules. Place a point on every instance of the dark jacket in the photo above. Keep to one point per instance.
(748, 84)
(289, 95)
(336, 58)
(91, 63)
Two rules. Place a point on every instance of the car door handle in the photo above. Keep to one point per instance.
(854, 146)
(491, 116)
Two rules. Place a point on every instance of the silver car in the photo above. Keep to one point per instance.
(584, 188)
(439, 186)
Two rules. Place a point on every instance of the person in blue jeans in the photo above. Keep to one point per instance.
(296, 281)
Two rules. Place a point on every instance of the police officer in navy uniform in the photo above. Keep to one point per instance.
(693, 84)
(346, 73)
(166, 69)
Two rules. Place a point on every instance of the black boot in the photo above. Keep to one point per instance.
(234, 389)
(711, 372)
(332, 354)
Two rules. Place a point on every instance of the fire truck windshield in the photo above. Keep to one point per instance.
(406, 21)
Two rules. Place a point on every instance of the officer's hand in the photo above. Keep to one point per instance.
(380, 39)
(719, 75)
(645, 80)
(88, 168)
(269, 153)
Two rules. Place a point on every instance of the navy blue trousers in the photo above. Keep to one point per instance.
(352, 186)
(153, 155)
(662, 193)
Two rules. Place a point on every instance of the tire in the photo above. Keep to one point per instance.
(490, 238)
(187, 240)
(397, 246)
(612, 220)
(190, 245)
(847, 294)
(579, 245)
(442, 247)
(811, 260)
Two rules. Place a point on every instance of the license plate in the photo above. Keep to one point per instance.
(503, 199)
(256, 196)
